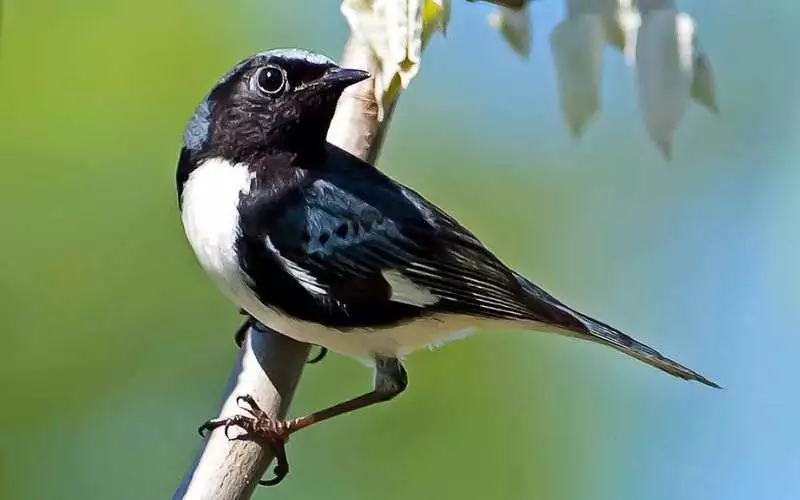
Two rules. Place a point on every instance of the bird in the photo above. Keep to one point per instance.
(318, 245)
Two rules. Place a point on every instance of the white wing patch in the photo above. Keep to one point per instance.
(302, 276)
(406, 291)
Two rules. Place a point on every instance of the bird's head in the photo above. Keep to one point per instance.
(281, 99)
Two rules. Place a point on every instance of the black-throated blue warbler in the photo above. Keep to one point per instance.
(320, 246)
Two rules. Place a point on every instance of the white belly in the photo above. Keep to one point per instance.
(365, 344)
(211, 221)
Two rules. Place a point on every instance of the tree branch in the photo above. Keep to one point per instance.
(269, 364)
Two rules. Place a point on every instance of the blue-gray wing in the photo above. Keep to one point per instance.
(353, 255)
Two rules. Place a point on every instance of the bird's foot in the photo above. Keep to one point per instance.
(241, 332)
(258, 427)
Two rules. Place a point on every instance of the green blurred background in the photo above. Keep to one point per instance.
(115, 344)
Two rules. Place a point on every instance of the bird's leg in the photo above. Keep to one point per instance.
(390, 380)
(251, 322)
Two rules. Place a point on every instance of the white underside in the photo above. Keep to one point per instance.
(211, 221)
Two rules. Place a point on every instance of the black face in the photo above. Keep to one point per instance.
(277, 100)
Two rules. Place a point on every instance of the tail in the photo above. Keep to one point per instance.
(588, 328)
(604, 334)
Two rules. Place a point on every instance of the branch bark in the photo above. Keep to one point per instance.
(270, 364)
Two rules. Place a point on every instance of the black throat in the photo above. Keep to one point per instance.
(270, 164)
(299, 144)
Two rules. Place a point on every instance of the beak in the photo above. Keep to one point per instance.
(338, 77)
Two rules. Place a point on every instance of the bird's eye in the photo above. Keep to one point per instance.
(270, 80)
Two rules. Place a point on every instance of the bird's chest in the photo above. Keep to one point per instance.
(210, 214)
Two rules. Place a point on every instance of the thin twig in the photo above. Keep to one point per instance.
(270, 364)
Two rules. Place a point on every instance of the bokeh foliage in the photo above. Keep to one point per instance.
(116, 345)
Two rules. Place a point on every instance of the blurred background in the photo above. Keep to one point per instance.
(115, 345)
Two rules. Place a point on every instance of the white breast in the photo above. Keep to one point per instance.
(211, 217)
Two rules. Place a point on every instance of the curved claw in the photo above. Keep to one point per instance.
(227, 429)
(319, 357)
(230, 423)
(241, 332)
(281, 467)
(209, 425)
(251, 404)
(202, 429)
(279, 475)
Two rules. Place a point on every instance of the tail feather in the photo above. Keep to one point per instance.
(591, 329)
(604, 334)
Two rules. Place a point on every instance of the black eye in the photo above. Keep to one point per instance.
(270, 79)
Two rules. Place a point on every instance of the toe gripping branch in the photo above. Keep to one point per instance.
(258, 427)
(390, 380)
(251, 322)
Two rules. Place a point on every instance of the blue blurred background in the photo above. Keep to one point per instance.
(116, 345)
